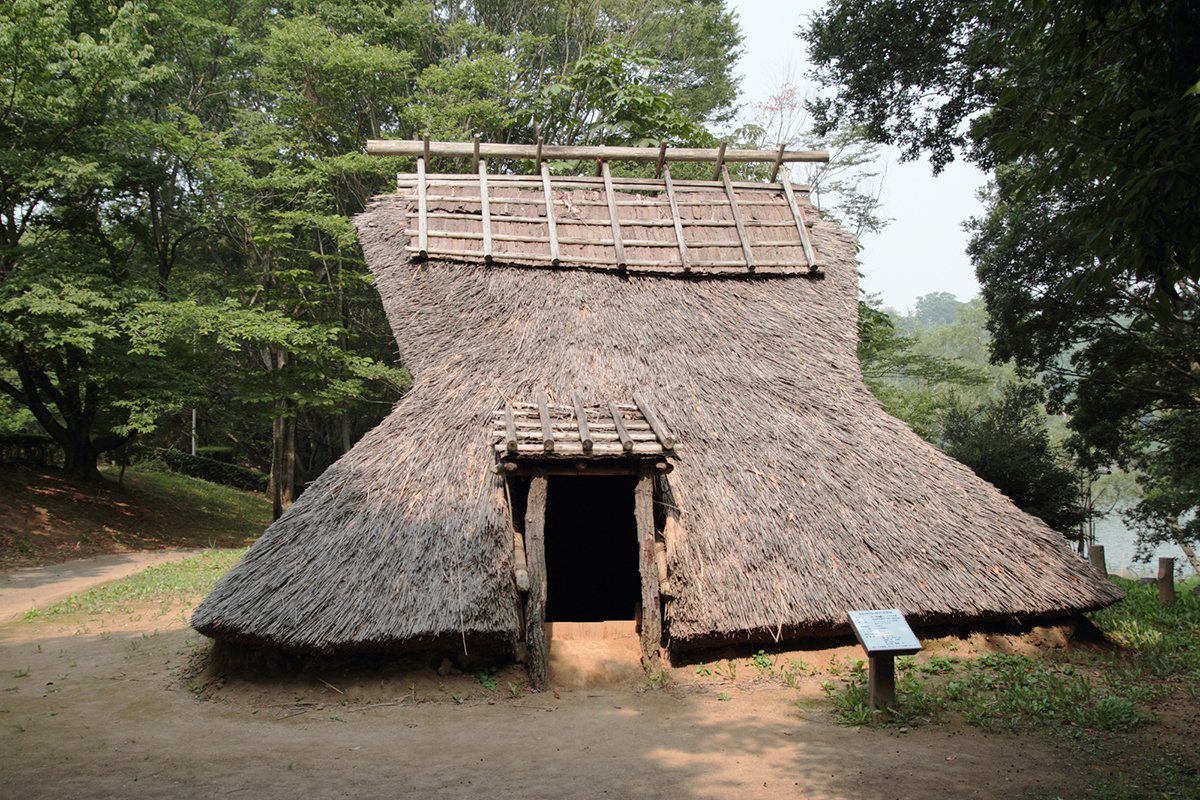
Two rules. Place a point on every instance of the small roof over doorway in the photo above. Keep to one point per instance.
(609, 429)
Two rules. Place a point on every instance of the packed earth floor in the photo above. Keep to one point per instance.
(124, 704)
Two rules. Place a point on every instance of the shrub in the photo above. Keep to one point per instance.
(216, 453)
(211, 470)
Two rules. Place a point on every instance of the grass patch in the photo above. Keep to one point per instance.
(211, 508)
(1158, 654)
(47, 517)
(166, 584)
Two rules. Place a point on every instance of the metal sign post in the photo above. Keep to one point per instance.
(884, 634)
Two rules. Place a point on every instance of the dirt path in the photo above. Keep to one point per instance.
(38, 587)
(103, 707)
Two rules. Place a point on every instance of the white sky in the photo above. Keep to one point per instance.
(923, 249)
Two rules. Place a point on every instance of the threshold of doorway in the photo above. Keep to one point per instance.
(591, 631)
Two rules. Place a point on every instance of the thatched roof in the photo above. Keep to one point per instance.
(800, 498)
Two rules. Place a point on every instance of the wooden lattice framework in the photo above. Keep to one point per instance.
(647, 225)
(545, 430)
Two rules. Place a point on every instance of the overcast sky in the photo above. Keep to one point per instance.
(923, 249)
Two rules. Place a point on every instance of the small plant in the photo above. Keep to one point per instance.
(514, 690)
(762, 662)
(703, 671)
(726, 670)
(657, 677)
(938, 665)
(793, 671)
(486, 679)
(21, 673)
(723, 696)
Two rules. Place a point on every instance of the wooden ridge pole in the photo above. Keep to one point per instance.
(413, 148)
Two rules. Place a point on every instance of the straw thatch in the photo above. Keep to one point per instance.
(799, 498)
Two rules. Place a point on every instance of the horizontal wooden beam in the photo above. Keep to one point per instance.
(585, 466)
(533, 182)
(551, 152)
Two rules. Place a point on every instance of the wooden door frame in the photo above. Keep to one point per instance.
(538, 657)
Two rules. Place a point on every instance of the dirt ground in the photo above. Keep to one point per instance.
(118, 706)
(47, 518)
(37, 587)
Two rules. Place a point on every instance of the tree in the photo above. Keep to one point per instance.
(937, 308)
(1005, 441)
(911, 385)
(847, 187)
(1089, 255)
(177, 185)
(65, 285)
(1098, 103)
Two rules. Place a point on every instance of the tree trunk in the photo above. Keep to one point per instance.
(283, 458)
(1188, 551)
(282, 483)
(79, 458)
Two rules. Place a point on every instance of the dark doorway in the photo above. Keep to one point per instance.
(591, 549)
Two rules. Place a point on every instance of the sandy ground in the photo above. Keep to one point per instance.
(37, 587)
(115, 707)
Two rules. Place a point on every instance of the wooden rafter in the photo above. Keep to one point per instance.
(801, 227)
(543, 431)
(684, 261)
(539, 223)
(737, 220)
(618, 245)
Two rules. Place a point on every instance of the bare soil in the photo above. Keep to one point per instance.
(47, 518)
(124, 706)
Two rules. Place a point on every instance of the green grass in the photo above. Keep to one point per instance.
(1158, 654)
(167, 584)
(202, 504)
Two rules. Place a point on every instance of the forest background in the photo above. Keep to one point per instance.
(177, 179)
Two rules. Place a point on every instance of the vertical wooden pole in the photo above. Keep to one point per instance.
(551, 227)
(422, 211)
(486, 211)
(643, 511)
(538, 660)
(1096, 556)
(881, 679)
(1166, 581)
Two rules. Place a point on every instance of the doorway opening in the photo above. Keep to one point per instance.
(591, 549)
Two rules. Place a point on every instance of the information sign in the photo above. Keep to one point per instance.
(884, 632)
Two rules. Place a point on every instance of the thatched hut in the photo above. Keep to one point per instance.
(630, 397)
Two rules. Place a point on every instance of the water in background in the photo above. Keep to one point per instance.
(1120, 543)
